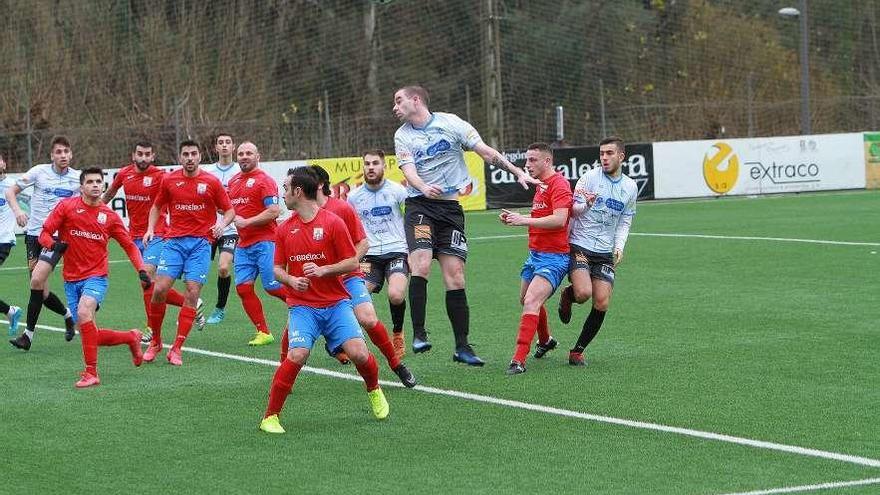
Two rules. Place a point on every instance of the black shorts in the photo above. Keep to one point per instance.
(224, 244)
(5, 249)
(35, 251)
(377, 269)
(435, 224)
(600, 265)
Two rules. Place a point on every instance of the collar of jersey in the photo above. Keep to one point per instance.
(220, 167)
(613, 181)
(427, 124)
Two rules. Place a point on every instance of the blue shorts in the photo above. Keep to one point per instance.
(357, 290)
(94, 287)
(551, 266)
(187, 256)
(151, 253)
(336, 323)
(256, 259)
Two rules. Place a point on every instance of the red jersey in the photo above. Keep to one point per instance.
(141, 189)
(554, 193)
(322, 241)
(250, 194)
(87, 231)
(349, 216)
(192, 203)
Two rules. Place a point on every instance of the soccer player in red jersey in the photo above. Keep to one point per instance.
(141, 181)
(85, 225)
(193, 198)
(254, 197)
(354, 281)
(548, 259)
(312, 250)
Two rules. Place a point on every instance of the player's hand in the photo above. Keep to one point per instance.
(312, 270)
(588, 197)
(503, 216)
(146, 282)
(21, 219)
(217, 230)
(431, 191)
(618, 256)
(148, 236)
(515, 219)
(298, 283)
(525, 179)
(240, 222)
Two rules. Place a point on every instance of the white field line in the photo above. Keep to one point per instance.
(707, 236)
(486, 399)
(812, 488)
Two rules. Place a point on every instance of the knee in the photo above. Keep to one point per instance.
(298, 355)
(366, 316)
(581, 294)
(83, 315)
(244, 289)
(223, 271)
(420, 263)
(531, 304)
(600, 304)
(395, 296)
(359, 355)
(454, 278)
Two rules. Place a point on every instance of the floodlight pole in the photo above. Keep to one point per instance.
(806, 124)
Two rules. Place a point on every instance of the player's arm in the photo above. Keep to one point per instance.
(50, 226)
(221, 199)
(123, 238)
(152, 220)
(279, 267)
(583, 199)
(111, 191)
(622, 232)
(491, 156)
(556, 220)
(11, 198)
(342, 248)
(269, 214)
(413, 179)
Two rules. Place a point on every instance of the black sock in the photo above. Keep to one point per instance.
(397, 313)
(223, 285)
(4, 308)
(35, 305)
(459, 315)
(418, 300)
(591, 328)
(54, 304)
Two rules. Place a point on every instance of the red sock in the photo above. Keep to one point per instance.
(184, 325)
(285, 344)
(88, 333)
(157, 315)
(370, 373)
(528, 325)
(543, 327)
(282, 384)
(148, 299)
(280, 293)
(252, 306)
(379, 337)
(174, 298)
(107, 337)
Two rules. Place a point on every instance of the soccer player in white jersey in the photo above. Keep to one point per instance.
(379, 203)
(225, 169)
(604, 206)
(430, 152)
(51, 182)
(7, 241)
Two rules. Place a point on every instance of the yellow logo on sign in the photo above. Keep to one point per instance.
(721, 169)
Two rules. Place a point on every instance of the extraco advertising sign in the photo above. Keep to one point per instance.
(686, 169)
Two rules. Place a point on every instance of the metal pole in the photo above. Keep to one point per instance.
(30, 130)
(602, 107)
(328, 135)
(176, 124)
(806, 124)
(750, 83)
(560, 123)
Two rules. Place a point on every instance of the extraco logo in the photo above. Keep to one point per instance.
(720, 168)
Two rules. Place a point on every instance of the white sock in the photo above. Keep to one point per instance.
(67, 314)
(30, 334)
(12, 311)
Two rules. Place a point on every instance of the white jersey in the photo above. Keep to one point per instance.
(596, 229)
(380, 212)
(7, 218)
(49, 189)
(437, 151)
(224, 174)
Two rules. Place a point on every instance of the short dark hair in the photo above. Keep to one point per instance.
(188, 142)
(613, 140)
(542, 147)
(221, 134)
(89, 171)
(323, 178)
(306, 179)
(144, 144)
(62, 140)
(378, 152)
(415, 90)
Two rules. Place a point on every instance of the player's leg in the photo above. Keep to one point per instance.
(170, 267)
(84, 307)
(246, 270)
(342, 330)
(50, 299)
(196, 265)
(303, 322)
(226, 246)
(457, 309)
(419, 230)
(13, 313)
(541, 275)
(397, 272)
(602, 290)
(581, 287)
